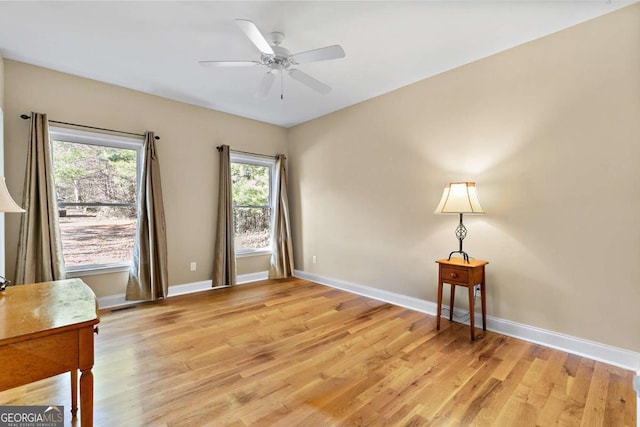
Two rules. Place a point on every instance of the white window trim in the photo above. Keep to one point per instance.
(95, 269)
(105, 140)
(259, 160)
(253, 252)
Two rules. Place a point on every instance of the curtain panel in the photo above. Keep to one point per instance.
(282, 252)
(40, 257)
(148, 276)
(224, 258)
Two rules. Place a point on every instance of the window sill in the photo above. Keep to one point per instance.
(92, 270)
(253, 253)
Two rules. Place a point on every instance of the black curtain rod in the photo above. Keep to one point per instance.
(219, 148)
(25, 117)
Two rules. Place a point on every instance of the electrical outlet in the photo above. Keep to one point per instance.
(314, 259)
(193, 266)
(476, 289)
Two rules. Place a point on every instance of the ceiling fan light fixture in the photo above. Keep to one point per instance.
(265, 84)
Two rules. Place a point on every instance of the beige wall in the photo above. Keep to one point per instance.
(550, 132)
(1, 82)
(187, 153)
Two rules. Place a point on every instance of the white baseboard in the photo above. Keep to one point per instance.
(119, 300)
(252, 277)
(593, 350)
(111, 301)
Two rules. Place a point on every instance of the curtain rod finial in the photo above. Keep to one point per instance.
(24, 116)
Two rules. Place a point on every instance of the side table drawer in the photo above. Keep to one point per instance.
(453, 274)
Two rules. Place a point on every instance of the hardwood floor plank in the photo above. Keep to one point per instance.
(295, 353)
(573, 411)
(594, 408)
(617, 410)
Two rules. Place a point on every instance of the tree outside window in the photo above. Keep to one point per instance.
(251, 180)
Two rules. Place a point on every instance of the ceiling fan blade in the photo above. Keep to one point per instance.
(229, 63)
(265, 85)
(306, 79)
(321, 54)
(256, 37)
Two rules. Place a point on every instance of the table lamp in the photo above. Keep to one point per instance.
(460, 198)
(6, 205)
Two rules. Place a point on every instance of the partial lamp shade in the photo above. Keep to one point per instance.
(460, 197)
(7, 204)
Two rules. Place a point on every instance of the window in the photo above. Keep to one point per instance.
(251, 188)
(96, 178)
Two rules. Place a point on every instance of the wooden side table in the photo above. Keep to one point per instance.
(458, 272)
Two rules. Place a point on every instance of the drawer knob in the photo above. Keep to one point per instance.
(454, 275)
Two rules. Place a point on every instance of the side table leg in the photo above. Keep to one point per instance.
(483, 299)
(452, 300)
(86, 398)
(471, 313)
(439, 305)
(74, 393)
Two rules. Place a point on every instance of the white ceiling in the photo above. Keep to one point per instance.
(154, 47)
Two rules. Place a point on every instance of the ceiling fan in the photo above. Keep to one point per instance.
(279, 60)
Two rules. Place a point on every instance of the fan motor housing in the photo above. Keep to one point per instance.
(276, 37)
(281, 60)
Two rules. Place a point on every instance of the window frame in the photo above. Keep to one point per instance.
(258, 160)
(104, 140)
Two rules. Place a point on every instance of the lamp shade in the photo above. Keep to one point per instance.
(459, 197)
(6, 202)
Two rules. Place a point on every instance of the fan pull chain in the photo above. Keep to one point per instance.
(281, 85)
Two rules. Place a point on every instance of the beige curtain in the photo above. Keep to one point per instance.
(40, 256)
(148, 277)
(224, 259)
(282, 252)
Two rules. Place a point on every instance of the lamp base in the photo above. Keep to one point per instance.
(465, 255)
(4, 283)
(461, 233)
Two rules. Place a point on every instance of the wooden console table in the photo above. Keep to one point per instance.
(458, 272)
(47, 329)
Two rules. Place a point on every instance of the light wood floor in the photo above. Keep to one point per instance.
(294, 353)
